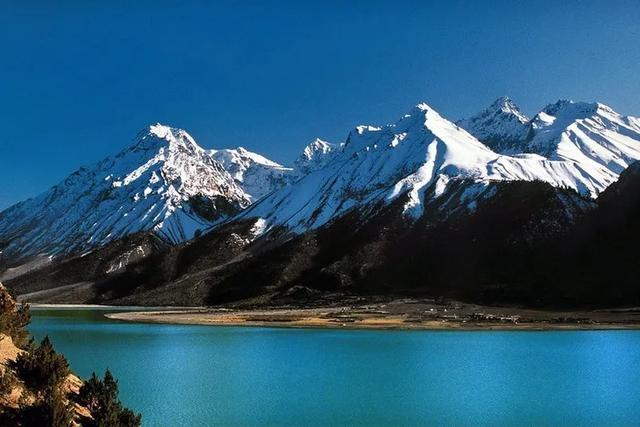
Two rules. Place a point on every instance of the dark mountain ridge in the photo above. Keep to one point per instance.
(530, 244)
(417, 208)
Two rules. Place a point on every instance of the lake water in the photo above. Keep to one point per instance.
(199, 375)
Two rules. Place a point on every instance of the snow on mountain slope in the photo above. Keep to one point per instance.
(592, 137)
(254, 173)
(501, 126)
(315, 156)
(259, 176)
(168, 184)
(165, 183)
(422, 150)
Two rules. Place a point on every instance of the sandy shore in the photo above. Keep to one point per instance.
(36, 305)
(397, 314)
(108, 307)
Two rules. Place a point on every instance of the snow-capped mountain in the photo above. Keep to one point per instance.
(418, 158)
(393, 207)
(591, 136)
(501, 126)
(255, 174)
(259, 176)
(167, 184)
(164, 183)
(315, 156)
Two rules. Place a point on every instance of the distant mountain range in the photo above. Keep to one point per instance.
(167, 222)
(164, 183)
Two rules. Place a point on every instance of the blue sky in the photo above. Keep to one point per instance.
(78, 80)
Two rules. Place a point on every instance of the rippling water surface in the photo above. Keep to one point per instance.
(199, 375)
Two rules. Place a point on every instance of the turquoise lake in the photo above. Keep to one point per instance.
(201, 376)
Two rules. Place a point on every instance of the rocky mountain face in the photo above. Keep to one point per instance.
(315, 156)
(422, 206)
(165, 183)
(259, 176)
(255, 174)
(501, 126)
(598, 258)
(530, 244)
(71, 278)
(598, 141)
(381, 164)
(469, 257)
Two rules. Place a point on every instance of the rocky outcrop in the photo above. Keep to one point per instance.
(14, 394)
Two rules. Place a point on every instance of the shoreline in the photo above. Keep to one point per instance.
(37, 305)
(396, 315)
(140, 308)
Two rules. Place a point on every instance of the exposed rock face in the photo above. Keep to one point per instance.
(501, 126)
(70, 279)
(165, 183)
(16, 396)
(255, 174)
(423, 149)
(418, 207)
(315, 156)
(592, 136)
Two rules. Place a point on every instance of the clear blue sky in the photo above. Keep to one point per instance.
(79, 79)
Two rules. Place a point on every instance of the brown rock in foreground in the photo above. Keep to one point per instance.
(14, 395)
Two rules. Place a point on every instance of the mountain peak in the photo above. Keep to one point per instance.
(423, 106)
(229, 156)
(314, 156)
(572, 110)
(502, 100)
(576, 110)
(505, 105)
(501, 126)
(157, 136)
(414, 161)
(422, 112)
(581, 132)
(422, 116)
(160, 130)
(317, 146)
(252, 172)
(564, 112)
(165, 184)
